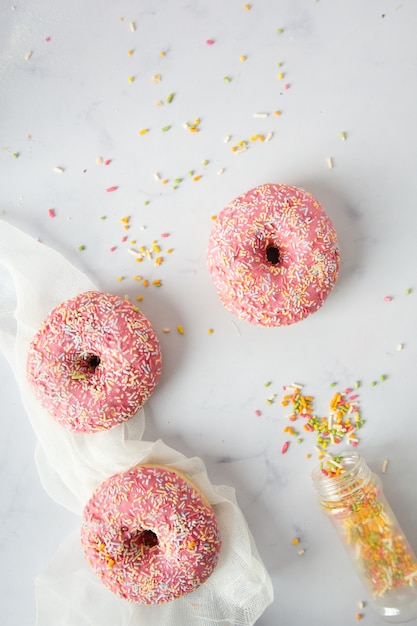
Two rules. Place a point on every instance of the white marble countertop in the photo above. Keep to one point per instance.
(70, 93)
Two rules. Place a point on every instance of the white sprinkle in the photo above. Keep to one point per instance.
(132, 26)
(157, 176)
(384, 466)
(134, 252)
(28, 55)
(220, 172)
(361, 604)
(269, 136)
(260, 114)
(227, 138)
(186, 126)
(335, 463)
(166, 330)
(400, 347)
(59, 170)
(297, 385)
(301, 552)
(330, 163)
(99, 160)
(242, 149)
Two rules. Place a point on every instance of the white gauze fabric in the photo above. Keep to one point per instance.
(33, 280)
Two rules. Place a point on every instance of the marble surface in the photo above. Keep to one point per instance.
(66, 99)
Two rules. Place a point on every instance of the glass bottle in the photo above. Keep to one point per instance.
(351, 496)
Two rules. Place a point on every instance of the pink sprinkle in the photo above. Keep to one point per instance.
(107, 162)
(47, 39)
(285, 447)
(257, 413)
(388, 299)
(165, 235)
(287, 86)
(51, 212)
(109, 189)
(124, 238)
(354, 397)
(113, 248)
(348, 390)
(210, 42)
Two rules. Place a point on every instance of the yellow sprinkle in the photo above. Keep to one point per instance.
(277, 113)
(130, 52)
(139, 259)
(125, 220)
(110, 563)
(281, 75)
(180, 330)
(131, 79)
(120, 278)
(170, 250)
(197, 121)
(213, 217)
(156, 248)
(139, 298)
(254, 137)
(210, 331)
(143, 131)
(162, 54)
(137, 278)
(159, 260)
(242, 58)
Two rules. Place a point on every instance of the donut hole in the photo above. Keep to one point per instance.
(148, 538)
(272, 254)
(93, 361)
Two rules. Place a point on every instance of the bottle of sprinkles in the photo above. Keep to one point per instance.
(351, 495)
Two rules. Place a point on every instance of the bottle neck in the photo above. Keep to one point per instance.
(354, 475)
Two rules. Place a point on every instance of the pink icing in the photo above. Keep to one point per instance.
(273, 255)
(94, 362)
(149, 535)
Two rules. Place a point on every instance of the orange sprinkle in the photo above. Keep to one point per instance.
(139, 298)
(196, 178)
(157, 282)
(359, 616)
(247, 7)
(295, 541)
(277, 113)
(159, 260)
(137, 278)
(145, 282)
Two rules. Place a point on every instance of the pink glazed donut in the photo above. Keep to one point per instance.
(150, 534)
(273, 255)
(94, 362)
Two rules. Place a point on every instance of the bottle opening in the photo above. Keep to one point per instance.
(340, 475)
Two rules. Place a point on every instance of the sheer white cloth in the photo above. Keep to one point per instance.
(33, 280)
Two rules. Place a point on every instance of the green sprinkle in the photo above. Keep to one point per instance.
(280, 64)
(227, 79)
(177, 180)
(407, 292)
(170, 98)
(280, 31)
(81, 248)
(357, 384)
(267, 384)
(15, 155)
(165, 128)
(299, 440)
(103, 217)
(205, 162)
(146, 202)
(373, 383)
(191, 173)
(269, 401)
(383, 377)
(333, 384)
(77, 376)
(136, 310)
(175, 187)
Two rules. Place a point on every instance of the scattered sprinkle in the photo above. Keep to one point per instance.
(131, 79)
(301, 552)
(110, 189)
(165, 128)
(408, 291)
(210, 331)
(242, 58)
(361, 605)
(384, 466)
(388, 299)
(16, 155)
(295, 541)
(329, 163)
(400, 347)
(258, 413)
(260, 115)
(81, 248)
(180, 330)
(280, 31)
(227, 79)
(28, 55)
(210, 42)
(51, 212)
(285, 447)
(343, 136)
(59, 170)
(132, 26)
(359, 616)
(170, 98)
(156, 78)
